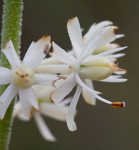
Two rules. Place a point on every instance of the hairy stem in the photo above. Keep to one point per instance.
(11, 30)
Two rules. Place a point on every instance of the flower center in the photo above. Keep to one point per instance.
(75, 67)
(23, 77)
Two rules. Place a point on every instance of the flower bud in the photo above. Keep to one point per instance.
(96, 68)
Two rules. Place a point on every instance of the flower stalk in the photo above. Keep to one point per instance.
(11, 30)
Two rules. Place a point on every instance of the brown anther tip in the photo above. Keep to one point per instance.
(46, 37)
(71, 20)
(118, 104)
(22, 76)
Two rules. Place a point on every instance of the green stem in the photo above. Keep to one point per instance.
(11, 30)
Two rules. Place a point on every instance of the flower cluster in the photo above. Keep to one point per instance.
(45, 85)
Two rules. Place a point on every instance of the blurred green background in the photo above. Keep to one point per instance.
(100, 127)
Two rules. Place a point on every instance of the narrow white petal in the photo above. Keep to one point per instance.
(61, 54)
(6, 98)
(122, 72)
(54, 111)
(45, 78)
(116, 55)
(43, 128)
(104, 37)
(27, 100)
(65, 102)
(94, 29)
(88, 96)
(36, 52)
(28, 95)
(112, 51)
(26, 107)
(64, 89)
(103, 99)
(75, 34)
(80, 82)
(11, 55)
(53, 68)
(18, 112)
(115, 79)
(119, 36)
(72, 110)
(5, 75)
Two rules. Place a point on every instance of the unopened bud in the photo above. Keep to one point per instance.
(96, 68)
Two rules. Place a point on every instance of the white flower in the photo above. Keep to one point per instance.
(48, 109)
(22, 76)
(92, 58)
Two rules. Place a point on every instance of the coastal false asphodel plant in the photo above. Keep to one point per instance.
(44, 84)
(93, 57)
(21, 77)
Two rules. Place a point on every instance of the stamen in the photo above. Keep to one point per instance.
(118, 104)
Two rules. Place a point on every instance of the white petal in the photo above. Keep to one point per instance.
(65, 102)
(112, 57)
(18, 112)
(80, 82)
(112, 51)
(11, 55)
(61, 54)
(61, 92)
(29, 96)
(6, 98)
(104, 37)
(27, 100)
(115, 79)
(75, 34)
(45, 78)
(88, 96)
(43, 128)
(53, 68)
(54, 111)
(72, 110)
(36, 52)
(119, 36)
(5, 75)
(94, 29)
(122, 72)
(103, 99)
